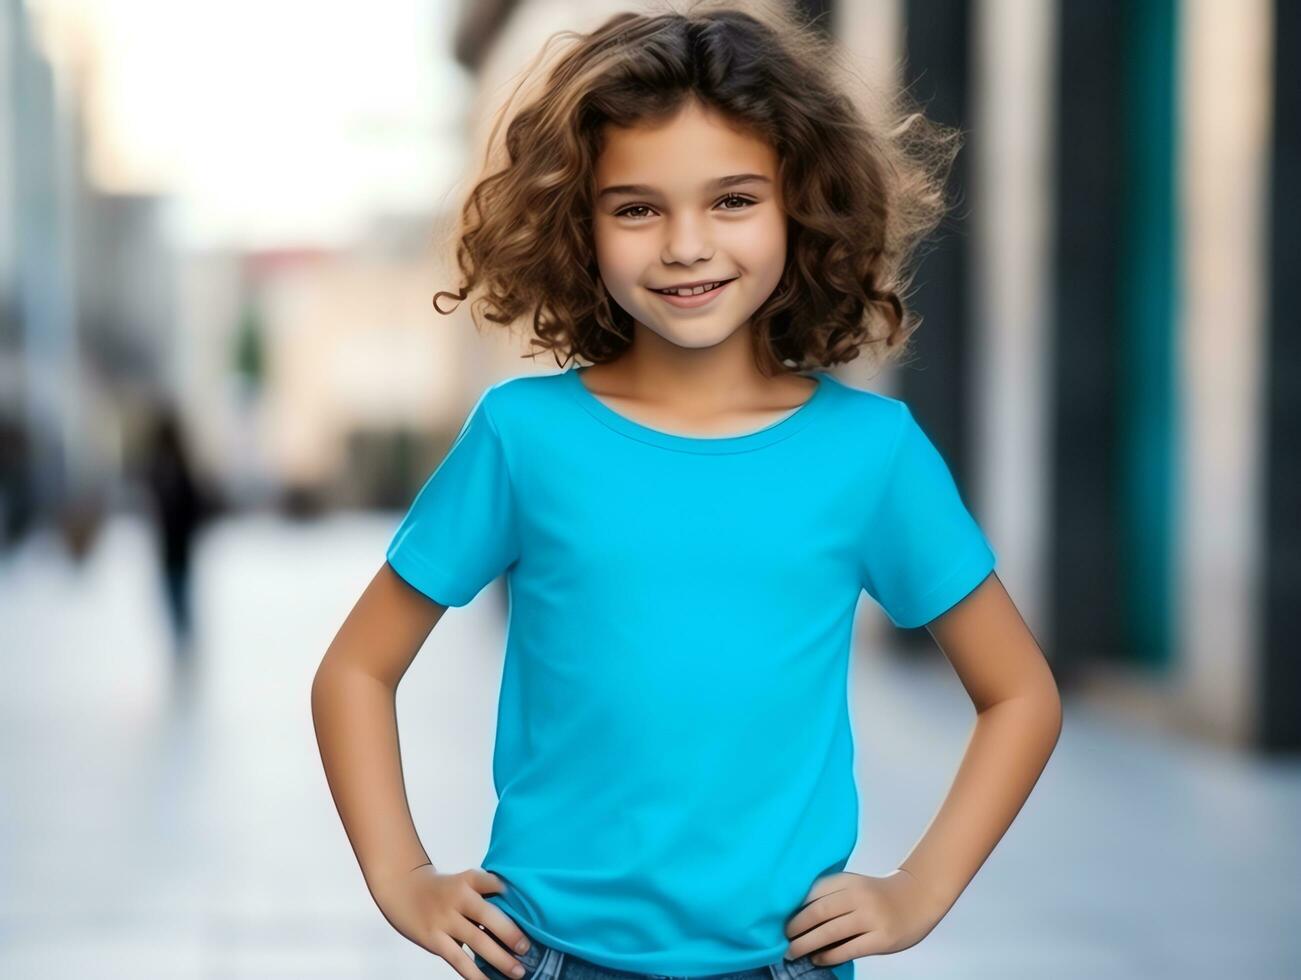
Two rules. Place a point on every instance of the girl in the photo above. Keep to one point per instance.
(691, 203)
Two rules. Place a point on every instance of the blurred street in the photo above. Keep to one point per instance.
(164, 824)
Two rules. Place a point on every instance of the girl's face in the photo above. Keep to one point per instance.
(693, 200)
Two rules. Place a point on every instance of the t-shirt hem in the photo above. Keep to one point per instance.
(636, 964)
(974, 567)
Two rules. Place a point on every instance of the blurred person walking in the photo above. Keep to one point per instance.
(181, 505)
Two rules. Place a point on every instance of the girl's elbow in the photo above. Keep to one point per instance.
(1052, 708)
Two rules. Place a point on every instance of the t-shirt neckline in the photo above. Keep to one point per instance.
(776, 431)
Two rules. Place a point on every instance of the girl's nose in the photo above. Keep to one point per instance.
(687, 242)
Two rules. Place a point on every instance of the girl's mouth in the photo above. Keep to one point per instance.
(693, 297)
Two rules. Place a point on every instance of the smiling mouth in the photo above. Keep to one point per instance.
(692, 291)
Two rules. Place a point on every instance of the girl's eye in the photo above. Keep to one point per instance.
(737, 197)
(627, 212)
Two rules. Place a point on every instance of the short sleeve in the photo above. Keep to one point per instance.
(922, 551)
(459, 533)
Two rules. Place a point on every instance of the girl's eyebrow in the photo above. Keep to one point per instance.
(647, 189)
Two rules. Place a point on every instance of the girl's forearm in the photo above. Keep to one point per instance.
(356, 729)
(1009, 747)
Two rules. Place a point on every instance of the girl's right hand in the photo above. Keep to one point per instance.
(441, 912)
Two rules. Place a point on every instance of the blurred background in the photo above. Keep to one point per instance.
(222, 381)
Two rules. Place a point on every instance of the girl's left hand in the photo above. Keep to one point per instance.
(862, 916)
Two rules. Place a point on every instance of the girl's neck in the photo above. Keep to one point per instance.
(698, 386)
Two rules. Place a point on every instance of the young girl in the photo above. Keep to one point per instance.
(692, 204)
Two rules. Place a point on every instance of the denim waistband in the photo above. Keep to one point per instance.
(542, 962)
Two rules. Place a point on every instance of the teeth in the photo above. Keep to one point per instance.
(695, 291)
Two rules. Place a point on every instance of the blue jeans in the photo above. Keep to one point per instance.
(541, 962)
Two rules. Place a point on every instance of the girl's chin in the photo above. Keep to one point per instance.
(688, 336)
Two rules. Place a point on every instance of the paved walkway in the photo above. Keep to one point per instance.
(151, 828)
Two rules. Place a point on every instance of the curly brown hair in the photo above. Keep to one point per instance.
(859, 197)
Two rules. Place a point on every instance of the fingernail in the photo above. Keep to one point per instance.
(522, 945)
(517, 971)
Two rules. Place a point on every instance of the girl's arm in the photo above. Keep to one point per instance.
(1018, 721)
(354, 711)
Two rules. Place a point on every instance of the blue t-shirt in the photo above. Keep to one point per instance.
(674, 763)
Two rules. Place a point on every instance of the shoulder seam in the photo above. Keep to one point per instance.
(505, 460)
(867, 392)
(886, 473)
